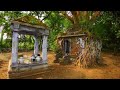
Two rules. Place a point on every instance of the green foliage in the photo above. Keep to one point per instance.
(57, 24)
(111, 39)
(5, 20)
(105, 27)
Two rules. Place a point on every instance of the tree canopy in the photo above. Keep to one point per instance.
(103, 24)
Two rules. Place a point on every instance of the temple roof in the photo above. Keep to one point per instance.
(68, 36)
(71, 32)
(30, 20)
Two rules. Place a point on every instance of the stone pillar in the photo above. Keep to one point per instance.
(14, 48)
(44, 49)
(36, 46)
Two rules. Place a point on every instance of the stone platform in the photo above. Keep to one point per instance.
(24, 70)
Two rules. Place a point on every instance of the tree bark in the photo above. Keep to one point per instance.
(90, 55)
(1, 41)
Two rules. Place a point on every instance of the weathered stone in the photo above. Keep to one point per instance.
(31, 26)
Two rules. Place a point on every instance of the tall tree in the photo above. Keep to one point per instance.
(90, 55)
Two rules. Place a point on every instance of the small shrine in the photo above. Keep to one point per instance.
(70, 46)
(28, 25)
(78, 47)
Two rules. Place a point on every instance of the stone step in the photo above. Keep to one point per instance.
(28, 73)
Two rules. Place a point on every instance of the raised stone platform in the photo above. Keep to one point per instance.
(23, 70)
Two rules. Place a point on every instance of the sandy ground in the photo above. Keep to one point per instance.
(111, 69)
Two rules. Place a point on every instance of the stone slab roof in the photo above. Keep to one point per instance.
(30, 20)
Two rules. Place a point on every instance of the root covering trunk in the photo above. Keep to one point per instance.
(90, 55)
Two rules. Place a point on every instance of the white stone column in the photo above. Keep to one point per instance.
(14, 48)
(44, 49)
(36, 46)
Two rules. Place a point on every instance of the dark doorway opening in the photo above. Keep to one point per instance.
(67, 46)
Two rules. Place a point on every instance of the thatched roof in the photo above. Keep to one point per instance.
(30, 20)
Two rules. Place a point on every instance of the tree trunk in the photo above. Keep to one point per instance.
(90, 55)
(1, 41)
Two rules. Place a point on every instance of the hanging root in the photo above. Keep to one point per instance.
(90, 55)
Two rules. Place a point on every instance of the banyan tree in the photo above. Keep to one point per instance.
(77, 45)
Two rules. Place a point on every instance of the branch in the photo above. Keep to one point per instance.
(47, 16)
(38, 13)
(76, 17)
(95, 15)
(66, 15)
(78, 14)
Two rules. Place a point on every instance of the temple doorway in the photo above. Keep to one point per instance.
(67, 46)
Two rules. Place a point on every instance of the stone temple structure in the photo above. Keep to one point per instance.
(27, 25)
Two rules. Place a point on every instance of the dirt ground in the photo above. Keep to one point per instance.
(111, 69)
